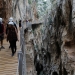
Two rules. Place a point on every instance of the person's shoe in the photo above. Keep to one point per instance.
(12, 54)
(2, 47)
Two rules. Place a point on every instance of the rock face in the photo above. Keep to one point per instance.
(24, 10)
(54, 40)
(27, 13)
(51, 44)
(5, 9)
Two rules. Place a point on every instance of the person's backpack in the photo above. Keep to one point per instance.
(1, 28)
(12, 34)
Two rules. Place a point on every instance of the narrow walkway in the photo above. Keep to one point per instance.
(8, 64)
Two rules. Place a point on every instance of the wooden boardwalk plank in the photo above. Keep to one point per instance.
(8, 64)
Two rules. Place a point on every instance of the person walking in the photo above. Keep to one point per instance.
(1, 33)
(12, 37)
(11, 20)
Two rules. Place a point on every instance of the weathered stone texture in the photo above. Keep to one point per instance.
(5, 9)
(56, 51)
(52, 43)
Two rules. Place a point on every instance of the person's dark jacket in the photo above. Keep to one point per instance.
(7, 27)
(1, 28)
(11, 34)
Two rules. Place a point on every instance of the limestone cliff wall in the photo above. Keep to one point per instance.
(5, 13)
(51, 43)
(5, 10)
(55, 49)
(27, 13)
(24, 11)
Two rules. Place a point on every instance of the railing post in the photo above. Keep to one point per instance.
(20, 58)
(22, 54)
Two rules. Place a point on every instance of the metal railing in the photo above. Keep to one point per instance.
(22, 55)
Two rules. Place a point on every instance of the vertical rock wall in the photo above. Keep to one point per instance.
(27, 13)
(56, 51)
(5, 9)
(53, 43)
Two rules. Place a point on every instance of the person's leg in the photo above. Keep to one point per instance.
(2, 44)
(2, 37)
(9, 44)
(0, 41)
(12, 47)
(15, 46)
